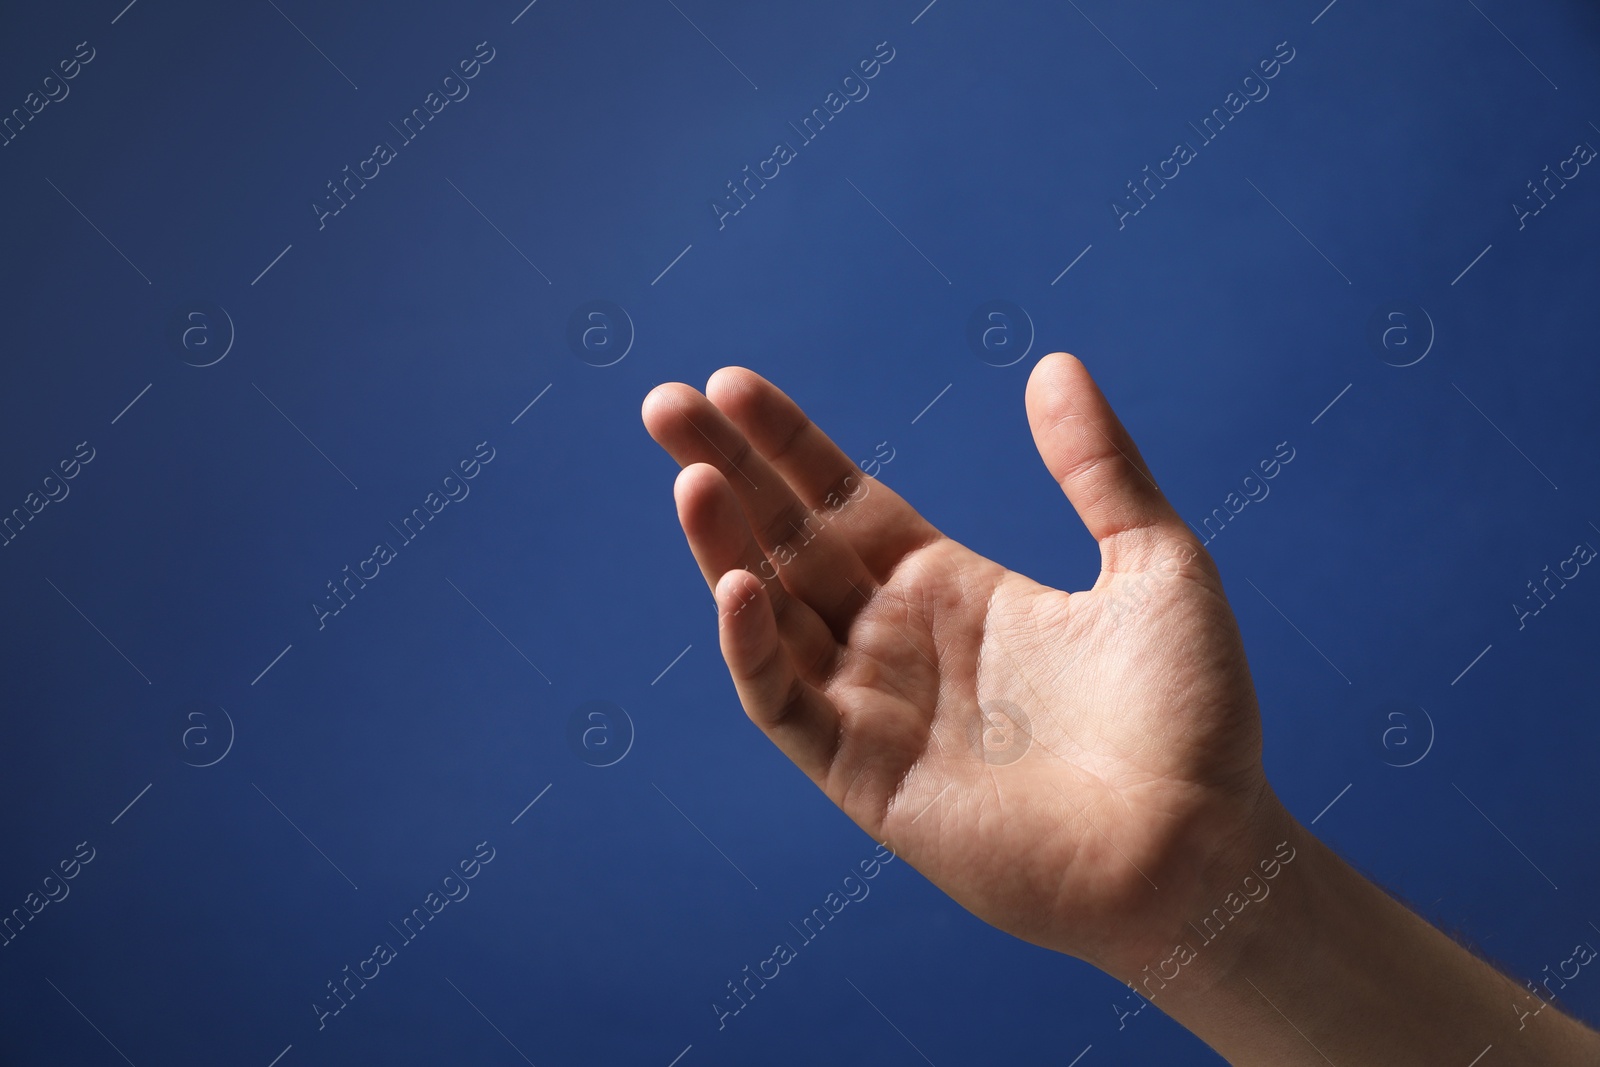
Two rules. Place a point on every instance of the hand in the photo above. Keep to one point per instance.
(1082, 770)
(884, 659)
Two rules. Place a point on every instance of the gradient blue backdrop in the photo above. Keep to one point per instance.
(378, 351)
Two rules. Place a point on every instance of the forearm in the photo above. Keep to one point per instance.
(1331, 969)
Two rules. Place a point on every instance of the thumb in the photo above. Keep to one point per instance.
(1092, 457)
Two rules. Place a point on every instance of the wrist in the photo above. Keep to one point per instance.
(1329, 965)
(1230, 883)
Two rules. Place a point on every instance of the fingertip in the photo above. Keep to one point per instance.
(728, 385)
(659, 403)
(1056, 369)
(695, 476)
(651, 399)
(731, 371)
(695, 490)
(653, 406)
(1061, 388)
(686, 484)
(737, 583)
(742, 607)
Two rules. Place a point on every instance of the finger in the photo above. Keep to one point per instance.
(814, 562)
(1091, 456)
(720, 538)
(878, 524)
(797, 718)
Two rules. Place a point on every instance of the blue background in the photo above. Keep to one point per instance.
(426, 315)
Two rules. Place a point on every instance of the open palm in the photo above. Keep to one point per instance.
(1073, 768)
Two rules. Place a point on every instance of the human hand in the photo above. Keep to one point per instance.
(887, 660)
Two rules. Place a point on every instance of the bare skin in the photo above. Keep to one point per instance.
(904, 673)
